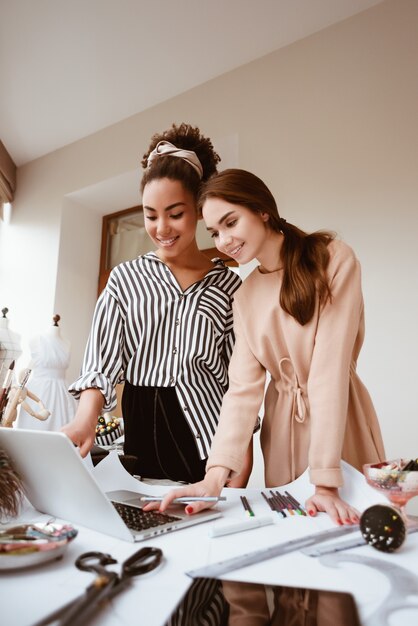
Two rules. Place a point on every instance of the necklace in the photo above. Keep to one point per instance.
(263, 270)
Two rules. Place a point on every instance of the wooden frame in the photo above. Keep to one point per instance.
(104, 269)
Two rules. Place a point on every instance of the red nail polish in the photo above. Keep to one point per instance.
(311, 513)
(189, 510)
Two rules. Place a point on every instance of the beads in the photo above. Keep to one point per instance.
(383, 527)
(108, 428)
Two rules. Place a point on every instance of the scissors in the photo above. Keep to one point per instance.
(105, 586)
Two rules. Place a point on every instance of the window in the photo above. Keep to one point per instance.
(124, 237)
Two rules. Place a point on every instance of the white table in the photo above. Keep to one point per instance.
(27, 595)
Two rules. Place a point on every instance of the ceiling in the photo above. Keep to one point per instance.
(71, 68)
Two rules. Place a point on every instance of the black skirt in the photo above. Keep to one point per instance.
(156, 432)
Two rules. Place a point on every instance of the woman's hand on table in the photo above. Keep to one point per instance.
(212, 485)
(327, 500)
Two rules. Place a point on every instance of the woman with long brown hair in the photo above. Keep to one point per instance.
(298, 317)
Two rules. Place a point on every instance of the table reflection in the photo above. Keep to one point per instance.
(227, 603)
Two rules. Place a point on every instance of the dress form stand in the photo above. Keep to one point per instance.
(50, 357)
(10, 347)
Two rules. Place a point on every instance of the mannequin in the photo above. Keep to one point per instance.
(10, 347)
(50, 357)
(18, 396)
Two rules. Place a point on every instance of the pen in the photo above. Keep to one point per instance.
(185, 499)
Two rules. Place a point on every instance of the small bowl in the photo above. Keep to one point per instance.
(388, 477)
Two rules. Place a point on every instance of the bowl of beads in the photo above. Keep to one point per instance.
(397, 480)
(27, 545)
(108, 428)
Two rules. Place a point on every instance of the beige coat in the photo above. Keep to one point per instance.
(316, 409)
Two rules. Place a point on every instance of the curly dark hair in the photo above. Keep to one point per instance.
(189, 138)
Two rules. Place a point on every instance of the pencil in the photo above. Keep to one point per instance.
(282, 502)
(247, 506)
(273, 505)
(268, 501)
(244, 504)
(296, 503)
(288, 504)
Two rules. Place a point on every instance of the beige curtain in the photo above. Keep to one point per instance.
(7, 176)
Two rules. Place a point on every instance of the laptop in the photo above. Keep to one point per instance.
(58, 483)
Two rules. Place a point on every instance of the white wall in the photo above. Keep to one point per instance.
(330, 123)
(78, 268)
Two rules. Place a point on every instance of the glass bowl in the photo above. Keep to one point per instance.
(399, 485)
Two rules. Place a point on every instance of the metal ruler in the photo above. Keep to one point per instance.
(223, 567)
(353, 542)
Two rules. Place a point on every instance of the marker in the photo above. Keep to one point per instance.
(185, 499)
(237, 527)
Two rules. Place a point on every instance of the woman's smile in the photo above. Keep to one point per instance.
(167, 243)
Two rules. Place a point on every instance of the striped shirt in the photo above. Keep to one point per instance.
(150, 332)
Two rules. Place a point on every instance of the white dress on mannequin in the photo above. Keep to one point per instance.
(10, 348)
(50, 359)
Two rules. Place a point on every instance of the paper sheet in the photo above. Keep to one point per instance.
(112, 476)
(356, 491)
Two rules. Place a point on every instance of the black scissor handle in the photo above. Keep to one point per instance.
(143, 561)
(94, 561)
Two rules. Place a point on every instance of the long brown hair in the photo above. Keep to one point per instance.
(304, 256)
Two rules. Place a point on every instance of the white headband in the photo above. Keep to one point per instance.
(164, 148)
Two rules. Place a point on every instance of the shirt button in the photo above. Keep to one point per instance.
(177, 322)
(171, 381)
(175, 351)
(181, 296)
(185, 408)
(197, 436)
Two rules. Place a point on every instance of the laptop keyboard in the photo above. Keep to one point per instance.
(137, 519)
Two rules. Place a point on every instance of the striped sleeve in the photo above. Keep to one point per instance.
(102, 363)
